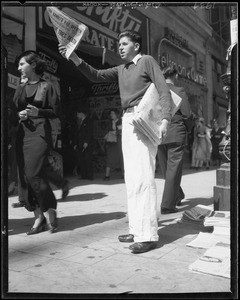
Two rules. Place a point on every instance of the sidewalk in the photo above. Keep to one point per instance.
(85, 256)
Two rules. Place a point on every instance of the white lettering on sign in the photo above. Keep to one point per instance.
(183, 61)
(13, 81)
(116, 19)
(184, 71)
(51, 63)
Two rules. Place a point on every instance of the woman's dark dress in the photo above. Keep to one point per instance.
(34, 141)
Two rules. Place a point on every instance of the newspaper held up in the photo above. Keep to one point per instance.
(69, 31)
(148, 114)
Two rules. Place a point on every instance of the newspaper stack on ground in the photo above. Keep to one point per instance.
(215, 261)
(218, 219)
(148, 115)
(69, 31)
(196, 215)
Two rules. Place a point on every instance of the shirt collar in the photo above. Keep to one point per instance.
(136, 58)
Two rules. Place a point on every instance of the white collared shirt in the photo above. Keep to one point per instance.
(136, 58)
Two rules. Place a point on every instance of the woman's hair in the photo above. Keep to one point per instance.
(32, 57)
(133, 36)
(169, 72)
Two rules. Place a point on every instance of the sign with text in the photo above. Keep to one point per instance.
(169, 54)
(104, 24)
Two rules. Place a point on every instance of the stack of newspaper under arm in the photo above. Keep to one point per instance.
(148, 115)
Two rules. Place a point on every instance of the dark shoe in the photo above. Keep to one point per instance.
(142, 247)
(65, 190)
(179, 201)
(127, 238)
(18, 204)
(106, 178)
(52, 227)
(165, 211)
(41, 227)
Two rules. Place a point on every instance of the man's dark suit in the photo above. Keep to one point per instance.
(84, 134)
(170, 153)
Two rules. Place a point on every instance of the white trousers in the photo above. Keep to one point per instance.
(139, 156)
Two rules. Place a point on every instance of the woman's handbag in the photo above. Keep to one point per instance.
(111, 137)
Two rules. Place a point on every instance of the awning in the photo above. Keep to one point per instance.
(110, 57)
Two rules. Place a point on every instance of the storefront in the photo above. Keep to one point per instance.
(168, 35)
(172, 49)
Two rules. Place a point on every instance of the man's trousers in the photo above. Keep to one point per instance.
(139, 155)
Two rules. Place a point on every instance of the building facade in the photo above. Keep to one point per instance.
(173, 35)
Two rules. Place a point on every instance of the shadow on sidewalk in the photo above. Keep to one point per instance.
(191, 202)
(74, 182)
(172, 232)
(84, 197)
(18, 226)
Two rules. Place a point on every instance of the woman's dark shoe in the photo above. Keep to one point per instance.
(52, 227)
(41, 227)
(106, 178)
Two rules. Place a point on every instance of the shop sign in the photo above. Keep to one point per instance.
(234, 31)
(175, 38)
(51, 63)
(13, 81)
(104, 23)
(183, 60)
(100, 89)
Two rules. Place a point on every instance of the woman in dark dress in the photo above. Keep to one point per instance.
(34, 103)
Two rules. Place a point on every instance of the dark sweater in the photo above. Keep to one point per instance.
(133, 81)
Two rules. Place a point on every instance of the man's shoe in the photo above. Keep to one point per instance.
(18, 204)
(142, 247)
(127, 238)
(179, 201)
(165, 211)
